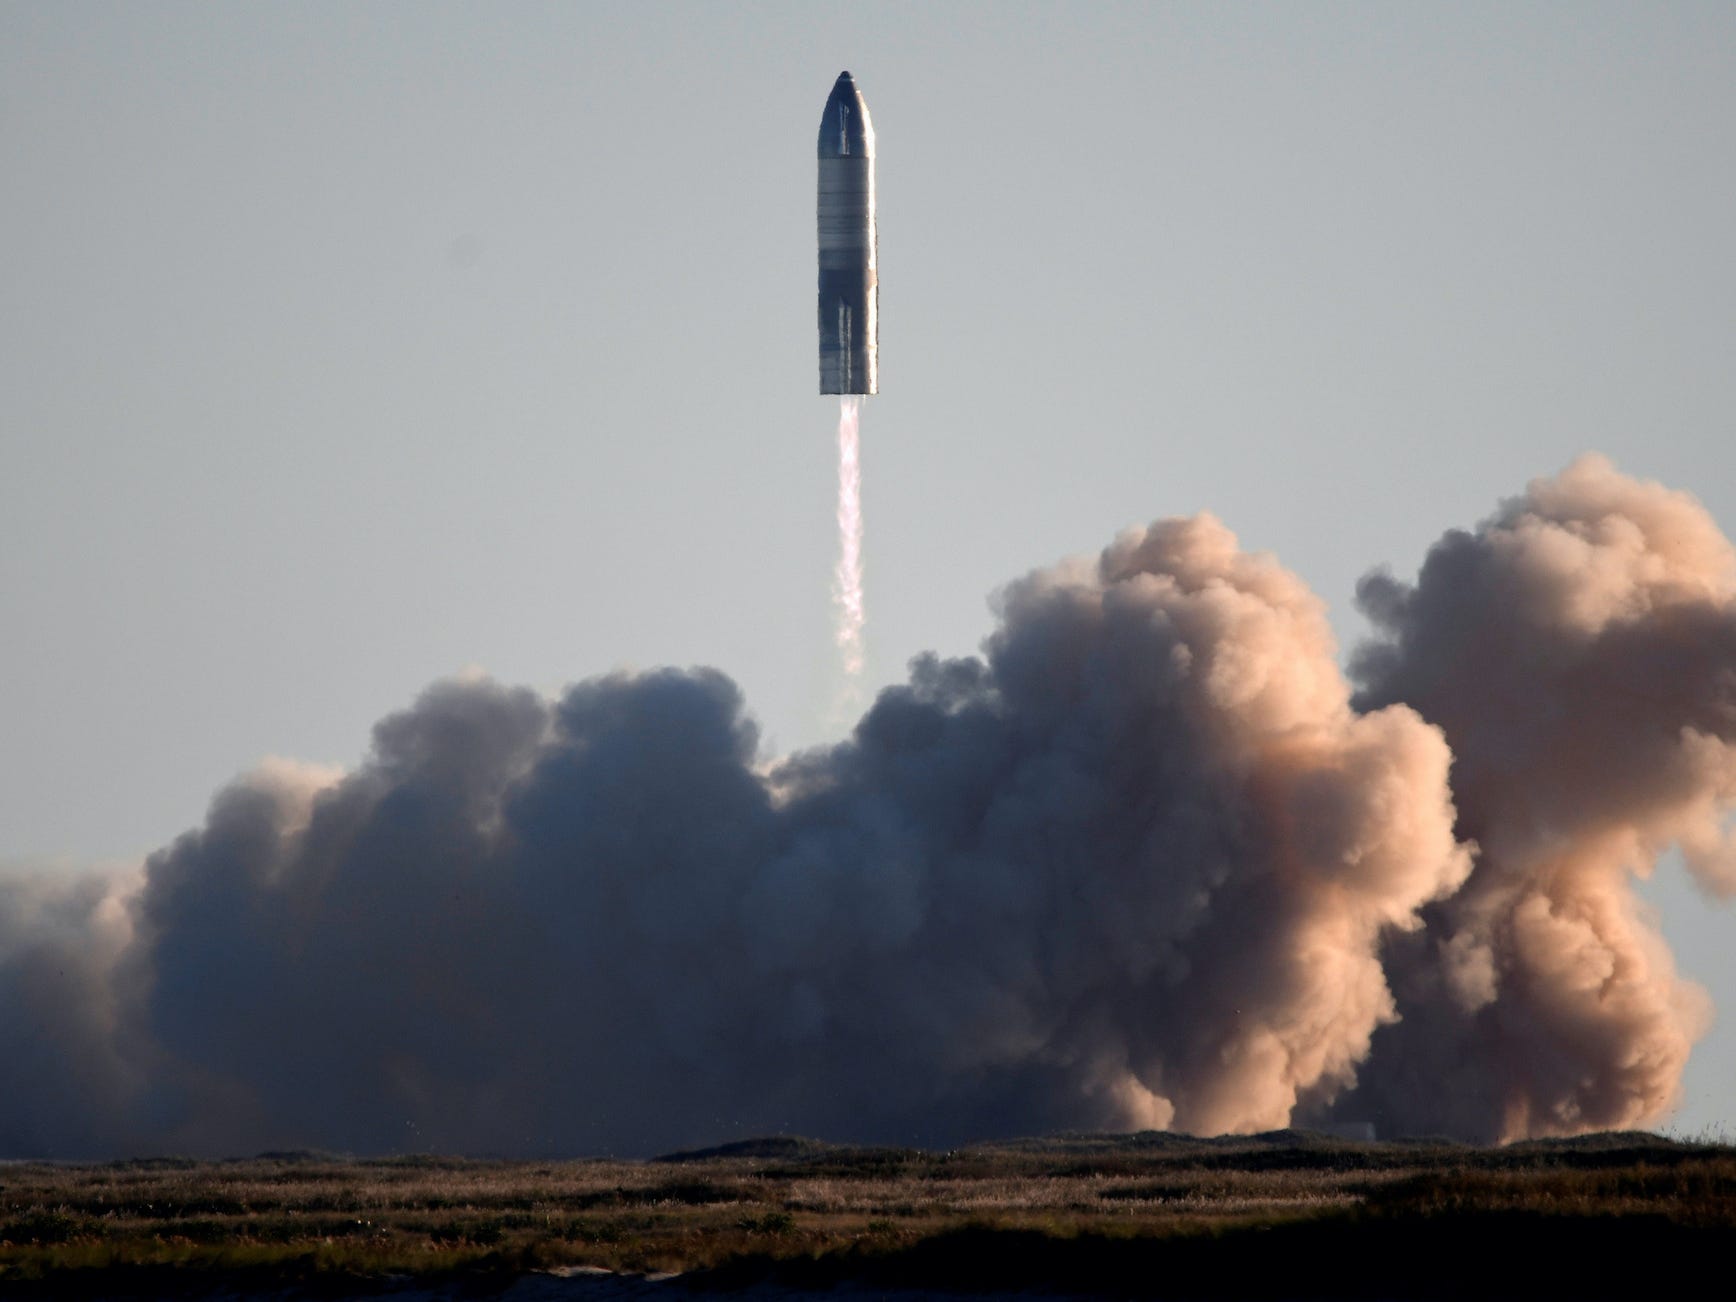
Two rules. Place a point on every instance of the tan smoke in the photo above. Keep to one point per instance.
(1342, 825)
(1579, 650)
(1133, 867)
(1145, 862)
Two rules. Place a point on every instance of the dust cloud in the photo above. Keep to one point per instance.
(1144, 862)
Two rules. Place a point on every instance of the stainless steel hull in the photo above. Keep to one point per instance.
(849, 286)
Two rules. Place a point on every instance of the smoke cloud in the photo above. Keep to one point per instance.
(1579, 652)
(1143, 863)
(65, 1076)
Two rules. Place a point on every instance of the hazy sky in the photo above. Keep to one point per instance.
(343, 347)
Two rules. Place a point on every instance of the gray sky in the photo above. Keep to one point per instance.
(343, 347)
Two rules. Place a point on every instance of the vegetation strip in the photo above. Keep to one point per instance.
(1291, 1214)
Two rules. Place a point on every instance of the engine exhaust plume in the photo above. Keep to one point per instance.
(847, 579)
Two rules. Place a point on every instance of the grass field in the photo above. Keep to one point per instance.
(1284, 1215)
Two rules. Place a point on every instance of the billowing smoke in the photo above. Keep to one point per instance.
(847, 579)
(1145, 863)
(66, 1078)
(1133, 868)
(1579, 651)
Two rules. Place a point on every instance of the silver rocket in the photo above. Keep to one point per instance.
(849, 289)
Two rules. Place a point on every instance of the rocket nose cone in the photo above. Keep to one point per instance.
(845, 128)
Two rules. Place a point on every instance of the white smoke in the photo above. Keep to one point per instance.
(847, 579)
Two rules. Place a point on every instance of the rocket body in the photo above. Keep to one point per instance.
(849, 287)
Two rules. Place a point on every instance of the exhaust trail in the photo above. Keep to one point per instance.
(847, 579)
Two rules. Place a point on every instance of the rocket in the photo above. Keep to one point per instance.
(849, 290)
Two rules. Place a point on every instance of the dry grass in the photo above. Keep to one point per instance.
(1048, 1211)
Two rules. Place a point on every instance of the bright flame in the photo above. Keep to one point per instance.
(847, 581)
